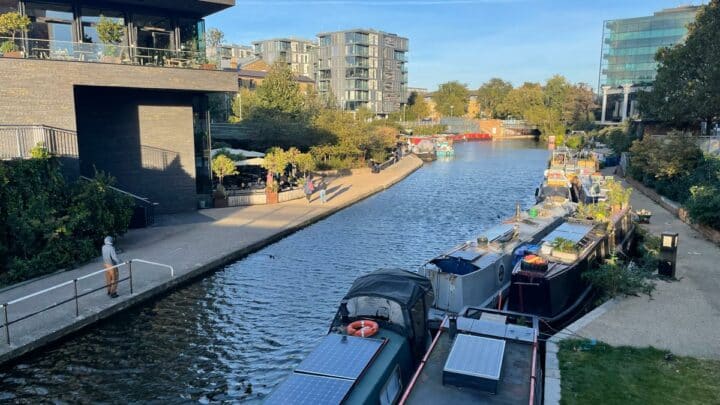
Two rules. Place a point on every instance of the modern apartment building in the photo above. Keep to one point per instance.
(136, 107)
(299, 54)
(229, 55)
(628, 56)
(363, 68)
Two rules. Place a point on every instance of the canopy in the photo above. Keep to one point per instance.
(398, 285)
(246, 153)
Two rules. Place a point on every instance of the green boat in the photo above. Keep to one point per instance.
(444, 149)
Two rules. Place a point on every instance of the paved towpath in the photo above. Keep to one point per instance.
(682, 316)
(192, 243)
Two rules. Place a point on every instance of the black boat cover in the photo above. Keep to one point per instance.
(401, 286)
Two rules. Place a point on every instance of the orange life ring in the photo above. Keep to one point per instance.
(363, 328)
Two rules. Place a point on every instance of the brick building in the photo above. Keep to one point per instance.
(136, 108)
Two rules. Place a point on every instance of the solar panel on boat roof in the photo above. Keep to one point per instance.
(310, 390)
(468, 254)
(476, 356)
(573, 232)
(340, 356)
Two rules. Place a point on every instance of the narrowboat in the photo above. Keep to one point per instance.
(425, 150)
(477, 272)
(590, 189)
(555, 187)
(547, 281)
(444, 149)
(376, 340)
(482, 356)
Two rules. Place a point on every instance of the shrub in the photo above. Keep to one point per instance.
(704, 205)
(615, 277)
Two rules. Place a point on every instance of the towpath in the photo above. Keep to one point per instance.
(192, 243)
(683, 316)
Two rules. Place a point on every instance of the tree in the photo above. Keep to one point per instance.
(521, 99)
(215, 38)
(547, 120)
(579, 106)
(687, 86)
(418, 110)
(243, 105)
(556, 91)
(280, 93)
(12, 23)
(451, 99)
(491, 95)
(223, 166)
(276, 161)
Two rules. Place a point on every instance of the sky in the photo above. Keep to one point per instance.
(469, 41)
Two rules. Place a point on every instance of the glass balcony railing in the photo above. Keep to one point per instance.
(42, 49)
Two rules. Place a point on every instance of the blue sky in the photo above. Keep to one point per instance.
(466, 40)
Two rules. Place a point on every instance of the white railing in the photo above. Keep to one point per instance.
(75, 296)
(17, 141)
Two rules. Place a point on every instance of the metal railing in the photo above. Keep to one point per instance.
(44, 49)
(144, 212)
(17, 141)
(76, 296)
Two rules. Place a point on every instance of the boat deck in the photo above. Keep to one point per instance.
(513, 388)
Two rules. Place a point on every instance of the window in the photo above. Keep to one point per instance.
(325, 40)
(89, 20)
(189, 38)
(154, 32)
(391, 390)
(8, 6)
(50, 21)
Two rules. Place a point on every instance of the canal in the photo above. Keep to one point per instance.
(235, 334)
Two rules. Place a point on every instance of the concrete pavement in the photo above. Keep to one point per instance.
(682, 316)
(192, 243)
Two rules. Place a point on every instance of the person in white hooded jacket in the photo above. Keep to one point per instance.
(112, 274)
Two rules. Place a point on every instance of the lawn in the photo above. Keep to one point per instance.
(603, 374)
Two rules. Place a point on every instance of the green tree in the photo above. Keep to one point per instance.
(418, 110)
(547, 120)
(580, 106)
(556, 92)
(521, 99)
(243, 105)
(214, 37)
(687, 87)
(451, 99)
(280, 93)
(223, 166)
(491, 95)
(12, 23)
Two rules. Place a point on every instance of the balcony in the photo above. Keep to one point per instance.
(42, 49)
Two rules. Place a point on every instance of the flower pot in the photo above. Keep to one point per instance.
(565, 256)
(272, 197)
(13, 54)
(221, 202)
(208, 66)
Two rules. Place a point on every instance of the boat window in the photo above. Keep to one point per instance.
(391, 390)
(501, 273)
(376, 307)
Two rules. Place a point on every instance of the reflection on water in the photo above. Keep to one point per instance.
(237, 333)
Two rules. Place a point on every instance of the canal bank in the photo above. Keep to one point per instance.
(193, 244)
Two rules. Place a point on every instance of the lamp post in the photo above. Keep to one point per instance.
(668, 254)
(452, 108)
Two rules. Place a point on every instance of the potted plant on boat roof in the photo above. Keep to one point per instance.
(617, 196)
(564, 249)
(111, 34)
(222, 166)
(275, 162)
(10, 24)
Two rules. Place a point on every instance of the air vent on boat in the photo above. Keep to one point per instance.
(475, 362)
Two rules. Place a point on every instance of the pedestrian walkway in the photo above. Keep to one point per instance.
(192, 243)
(681, 316)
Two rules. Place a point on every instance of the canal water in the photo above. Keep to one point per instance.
(236, 334)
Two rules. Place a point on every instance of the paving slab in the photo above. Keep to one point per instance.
(192, 243)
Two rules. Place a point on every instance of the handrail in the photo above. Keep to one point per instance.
(6, 324)
(137, 197)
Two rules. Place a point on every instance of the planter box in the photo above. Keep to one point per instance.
(208, 66)
(13, 54)
(272, 197)
(565, 256)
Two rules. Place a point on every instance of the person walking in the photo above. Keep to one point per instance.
(309, 188)
(110, 260)
(323, 191)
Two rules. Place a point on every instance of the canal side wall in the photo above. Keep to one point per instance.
(239, 232)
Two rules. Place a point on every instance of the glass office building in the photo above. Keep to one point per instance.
(629, 45)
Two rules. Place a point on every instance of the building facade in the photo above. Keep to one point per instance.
(363, 68)
(628, 62)
(136, 108)
(299, 54)
(252, 73)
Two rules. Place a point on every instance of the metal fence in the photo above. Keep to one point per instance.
(17, 141)
(75, 296)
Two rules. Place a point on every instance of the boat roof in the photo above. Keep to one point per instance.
(569, 230)
(490, 338)
(401, 286)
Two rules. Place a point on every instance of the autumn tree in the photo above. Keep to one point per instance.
(491, 95)
(417, 108)
(451, 99)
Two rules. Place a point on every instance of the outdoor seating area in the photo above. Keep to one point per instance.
(43, 49)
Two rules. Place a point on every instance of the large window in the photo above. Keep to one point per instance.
(50, 21)
(154, 32)
(91, 17)
(189, 38)
(8, 6)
